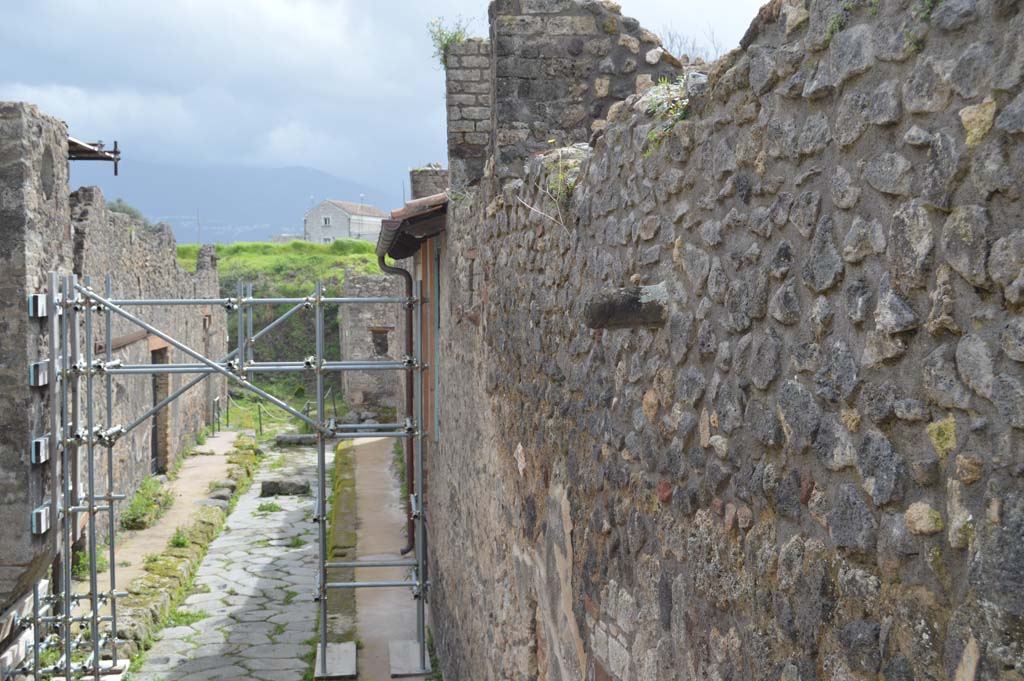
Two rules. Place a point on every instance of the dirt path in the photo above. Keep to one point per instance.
(382, 615)
(191, 486)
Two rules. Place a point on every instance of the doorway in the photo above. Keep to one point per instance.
(160, 435)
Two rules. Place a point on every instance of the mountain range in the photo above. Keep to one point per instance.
(228, 203)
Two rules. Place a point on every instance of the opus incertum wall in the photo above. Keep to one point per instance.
(811, 464)
(44, 228)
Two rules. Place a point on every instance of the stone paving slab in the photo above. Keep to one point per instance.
(256, 586)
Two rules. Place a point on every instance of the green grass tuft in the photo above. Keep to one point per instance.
(147, 506)
(183, 618)
(80, 564)
(179, 539)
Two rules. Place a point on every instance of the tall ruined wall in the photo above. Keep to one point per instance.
(558, 67)
(44, 228)
(427, 181)
(35, 237)
(814, 467)
(142, 262)
(371, 332)
(469, 97)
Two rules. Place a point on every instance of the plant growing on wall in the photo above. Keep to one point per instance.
(668, 102)
(443, 34)
(119, 205)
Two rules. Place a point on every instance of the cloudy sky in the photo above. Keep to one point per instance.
(344, 86)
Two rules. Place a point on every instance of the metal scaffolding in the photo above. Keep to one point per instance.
(72, 309)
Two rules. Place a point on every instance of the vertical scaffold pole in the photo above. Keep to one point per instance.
(248, 327)
(421, 595)
(70, 412)
(94, 601)
(58, 354)
(321, 464)
(36, 627)
(111, 529)
(241, 332)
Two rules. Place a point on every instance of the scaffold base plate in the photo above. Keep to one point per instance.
(341, 661)
(405, 659)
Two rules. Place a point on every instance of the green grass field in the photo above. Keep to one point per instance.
(286, 270)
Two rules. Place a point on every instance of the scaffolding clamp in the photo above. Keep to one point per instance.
(108, 437)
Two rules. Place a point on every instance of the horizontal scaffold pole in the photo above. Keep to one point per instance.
(231, 302)
(197, 356)
(199, 379)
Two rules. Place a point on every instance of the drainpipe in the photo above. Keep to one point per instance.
(410, 482)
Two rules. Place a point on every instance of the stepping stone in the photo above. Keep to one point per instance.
(285, 487)
(341, 661)
(404, 657)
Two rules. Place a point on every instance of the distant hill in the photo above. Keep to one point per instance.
(234, 203)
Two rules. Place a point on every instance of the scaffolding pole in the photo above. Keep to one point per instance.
(72, 310)
(321, 467)
(421, 589)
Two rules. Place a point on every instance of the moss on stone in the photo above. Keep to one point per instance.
(943, 435)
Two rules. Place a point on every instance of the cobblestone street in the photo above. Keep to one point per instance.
(254, 588)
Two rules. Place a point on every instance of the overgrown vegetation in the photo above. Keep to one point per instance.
(119, 205)
(269, 507)
(80, 563)
(398, 464)
(179, 539)
(289, 269)
(925, 8)
(835, 24)
(443, 34)
(245, 458)
(184, 618)
(147, 506)
(435, 664)
(248, 411)
(668, 102)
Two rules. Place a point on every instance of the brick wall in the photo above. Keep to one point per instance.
(469, 93)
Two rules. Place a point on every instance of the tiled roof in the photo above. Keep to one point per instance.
(363, 209)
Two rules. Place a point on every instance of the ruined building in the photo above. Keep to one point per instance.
(730, 385)
(46, 228)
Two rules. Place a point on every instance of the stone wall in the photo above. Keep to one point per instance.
(142, 262)
(35, 233)
(427, 181)
(44, 228)
(559, 66)
(372, 332)
(470, 117)
(810, 462)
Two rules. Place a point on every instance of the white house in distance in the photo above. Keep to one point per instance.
(330, 220)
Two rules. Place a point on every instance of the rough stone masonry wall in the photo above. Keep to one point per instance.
(814, 468)
(366, 390)
(558, 67)
(142, 261)
(39, 235)
(35, 237)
